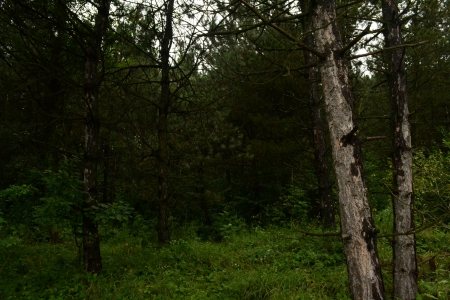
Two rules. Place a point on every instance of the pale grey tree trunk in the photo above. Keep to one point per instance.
(404, 248)
(357, 226)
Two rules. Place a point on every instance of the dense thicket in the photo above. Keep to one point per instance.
(155, 115)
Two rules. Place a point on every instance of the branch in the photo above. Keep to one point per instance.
(379, 83)
(374, 138)
(433, 257)
(318, 234)
(420, 229)
(355, 40)
(242, 30)
(232, 32)
(386, 49)
(282, 31)
(349, 4)
(373, 117)
(134, 67)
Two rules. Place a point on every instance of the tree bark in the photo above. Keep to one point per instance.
(201, 192)
(404, 249)
(106, 171)
(447, 118)
(163, 142)
(327, 213)
(256, 187)
(357, 226)
(91, 241)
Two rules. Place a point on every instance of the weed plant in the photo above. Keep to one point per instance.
(271, 263)
(227, 260)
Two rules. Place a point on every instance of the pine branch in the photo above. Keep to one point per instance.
(282, 31)
(355, 40)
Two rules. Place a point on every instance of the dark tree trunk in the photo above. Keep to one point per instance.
(50, 108)
(106, 171)
(112, 181)
(404, 248)
(447, 117)
(327, 212)
(357, 226)
(201, 192)
(109, 174)
(256, 187)
(91, 241)
(163, 142)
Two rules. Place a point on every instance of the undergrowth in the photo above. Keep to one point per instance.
(272, 263)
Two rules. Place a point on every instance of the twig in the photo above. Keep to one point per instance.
(374, 138)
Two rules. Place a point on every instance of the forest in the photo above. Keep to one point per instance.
(224, 149)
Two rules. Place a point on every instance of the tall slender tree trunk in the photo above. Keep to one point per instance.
(357, 226)
(327, 212)
(163, 142)
(404, 248)
(50, 106)
(91, 241)
(256, 187)
(447, 117)
(112, 181)
(201, 192)
(106, 173)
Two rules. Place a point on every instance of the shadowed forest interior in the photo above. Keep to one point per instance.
(224, 149)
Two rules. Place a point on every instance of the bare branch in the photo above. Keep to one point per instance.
(387, 49)
(374, 138)
(318, 234)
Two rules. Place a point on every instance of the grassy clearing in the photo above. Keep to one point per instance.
(273, 263)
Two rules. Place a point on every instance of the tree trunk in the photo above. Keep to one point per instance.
(91, 241)
(106, 171)
(320, 159)
(201, 192)
(357, 226)
(163, 143)
(112, 181)
(404, 249)
(447, 118)
(256, 188)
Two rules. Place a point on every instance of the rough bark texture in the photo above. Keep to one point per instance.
(405, 264)
(163, 142)
(358, 230)
(91, 241)
(327, 212)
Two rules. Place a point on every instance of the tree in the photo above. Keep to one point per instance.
(163, 112)
(357, 226)
(91, 239)
(320, 157)
(405, 264)
(58, 41)
(164, 58)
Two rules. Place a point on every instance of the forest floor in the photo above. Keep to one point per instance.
(257, 263)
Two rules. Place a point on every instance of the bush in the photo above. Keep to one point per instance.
(225, 226)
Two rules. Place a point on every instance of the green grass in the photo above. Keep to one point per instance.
(274, 263)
